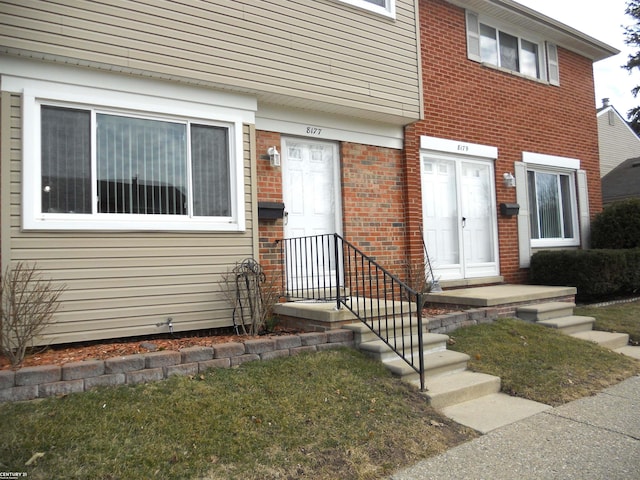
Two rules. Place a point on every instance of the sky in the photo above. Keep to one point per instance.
(603, 20)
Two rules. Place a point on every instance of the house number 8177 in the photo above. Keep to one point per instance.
(314, 131)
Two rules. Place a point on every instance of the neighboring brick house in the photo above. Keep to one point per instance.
(508, 92)
(141, 142)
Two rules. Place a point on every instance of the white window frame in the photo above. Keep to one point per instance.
(556, 165)
(389, 10)
(558, 242)
(134, 104)
(547, 52)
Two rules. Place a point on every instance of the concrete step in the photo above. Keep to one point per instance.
(489, 412)
(571, 324)
(401, 327)
(446, 390)
(325, 315)
(608, 340)
(378, 349)
(545, 311)
(629, 351)
(437, 363)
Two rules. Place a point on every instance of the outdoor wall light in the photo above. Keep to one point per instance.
(509, 179)
(274, 156)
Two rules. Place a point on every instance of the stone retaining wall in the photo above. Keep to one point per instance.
(449, 322)
(50, 380)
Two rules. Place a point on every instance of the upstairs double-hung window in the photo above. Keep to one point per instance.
(510, 52)
(493, 45)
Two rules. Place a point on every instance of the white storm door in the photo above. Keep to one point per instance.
(311, 193)
(441, 217)
(479, 219)
(459, 217)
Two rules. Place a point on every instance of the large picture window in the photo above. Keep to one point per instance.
(107, 153)
(552, 204)
(140, 166)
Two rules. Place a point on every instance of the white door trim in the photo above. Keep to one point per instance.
(337, 224)
(463, 269)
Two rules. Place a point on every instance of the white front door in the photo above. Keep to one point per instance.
(311, 193)
(459, 216)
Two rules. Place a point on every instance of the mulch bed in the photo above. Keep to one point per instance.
(61, 354)
(101, 350)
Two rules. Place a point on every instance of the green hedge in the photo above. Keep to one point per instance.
(617, 226)
(596, 274)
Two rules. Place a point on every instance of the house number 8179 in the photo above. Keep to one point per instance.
(314, 131)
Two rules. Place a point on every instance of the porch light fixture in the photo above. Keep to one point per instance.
(509, 179)
(274, 156)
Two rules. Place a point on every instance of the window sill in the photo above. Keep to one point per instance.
(514, 73)
(555, 243)
(131, 223)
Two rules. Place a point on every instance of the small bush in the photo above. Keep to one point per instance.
(27, 305)
(617, 226)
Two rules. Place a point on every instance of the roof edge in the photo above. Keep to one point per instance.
(564, 35)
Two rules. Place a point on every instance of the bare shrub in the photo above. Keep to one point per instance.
(417, 275)
(252, 296)
(27, 305)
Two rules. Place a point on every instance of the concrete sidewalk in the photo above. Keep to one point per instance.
(589, 439)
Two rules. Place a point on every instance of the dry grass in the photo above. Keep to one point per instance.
(541, 363)
(618, 317)
(328, 415)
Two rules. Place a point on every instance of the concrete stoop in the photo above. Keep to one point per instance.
(545, 311)
(629, 351)
(559, 315)
(571, 324)
(469, 398)
(610, 340)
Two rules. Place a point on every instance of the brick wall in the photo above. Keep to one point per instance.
(269, 190)
(373, 203)
(372, 183)
(468, 102)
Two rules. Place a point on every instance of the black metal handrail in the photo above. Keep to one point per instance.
(329, 268)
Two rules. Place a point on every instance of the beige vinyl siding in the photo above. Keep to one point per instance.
(617, 142)
(290, 52)
(123, 284)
